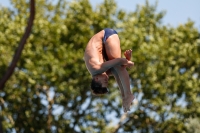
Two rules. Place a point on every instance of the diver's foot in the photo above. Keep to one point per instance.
(127, 102)
(128, 54)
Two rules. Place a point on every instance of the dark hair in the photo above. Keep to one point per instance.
(97, 89)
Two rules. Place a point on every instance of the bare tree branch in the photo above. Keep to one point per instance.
(18, 52)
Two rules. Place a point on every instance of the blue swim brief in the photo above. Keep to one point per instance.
(108, 32)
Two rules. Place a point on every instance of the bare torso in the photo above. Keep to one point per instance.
(94, 52)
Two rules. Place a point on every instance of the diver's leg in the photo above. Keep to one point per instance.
(115, 74)
(120, 73)
(122, 78)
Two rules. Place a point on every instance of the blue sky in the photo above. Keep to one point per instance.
(177, 11)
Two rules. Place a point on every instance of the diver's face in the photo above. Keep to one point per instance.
(102, 79)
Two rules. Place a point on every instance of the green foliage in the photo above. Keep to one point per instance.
(193, 125)
(50, 92)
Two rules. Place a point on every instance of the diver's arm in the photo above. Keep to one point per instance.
(103, 67)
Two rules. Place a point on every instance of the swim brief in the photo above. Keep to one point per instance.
(108, 32)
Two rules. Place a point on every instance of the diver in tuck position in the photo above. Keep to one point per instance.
(102, 58)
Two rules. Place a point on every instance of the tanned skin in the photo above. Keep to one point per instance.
(94, 60)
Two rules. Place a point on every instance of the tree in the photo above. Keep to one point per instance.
(166, 71)
(20, 47)
(50, 92)
(193, 125)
